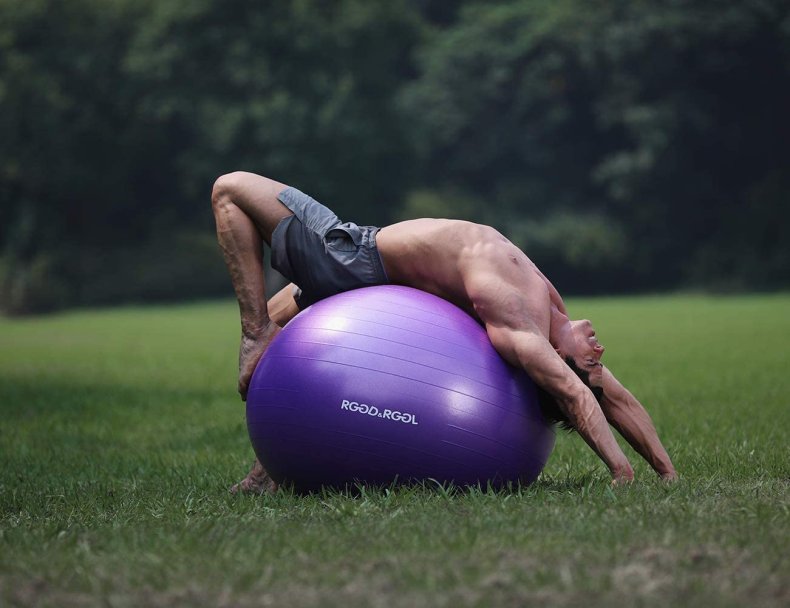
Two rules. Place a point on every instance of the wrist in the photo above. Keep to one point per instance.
(663, 466)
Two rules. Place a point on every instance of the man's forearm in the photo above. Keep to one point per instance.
(632, 421)
(638, 430)
(589, 421)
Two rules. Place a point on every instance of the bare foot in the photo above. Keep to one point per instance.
(256, 482)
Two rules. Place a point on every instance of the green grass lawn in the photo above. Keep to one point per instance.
(121, 432)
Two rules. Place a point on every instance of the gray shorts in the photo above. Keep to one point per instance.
(320, 254)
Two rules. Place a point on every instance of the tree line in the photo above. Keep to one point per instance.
(624, 145)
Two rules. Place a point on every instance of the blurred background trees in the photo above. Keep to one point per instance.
(625, 145)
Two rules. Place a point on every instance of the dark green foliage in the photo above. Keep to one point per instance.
(625, 145)
(297, 90)
(80, 168)
(667, 122)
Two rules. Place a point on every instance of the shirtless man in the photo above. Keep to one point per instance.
(471, 265)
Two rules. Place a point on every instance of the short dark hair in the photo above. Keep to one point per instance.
(548, 404)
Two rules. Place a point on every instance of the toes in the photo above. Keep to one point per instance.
(254, 486)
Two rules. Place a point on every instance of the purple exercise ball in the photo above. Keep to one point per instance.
(391, 384)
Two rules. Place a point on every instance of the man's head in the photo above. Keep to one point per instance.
(578, 346)
(576, 342)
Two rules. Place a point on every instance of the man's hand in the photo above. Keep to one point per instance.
(622, 476)
(250, 352)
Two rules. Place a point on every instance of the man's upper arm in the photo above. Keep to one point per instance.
(533, 353)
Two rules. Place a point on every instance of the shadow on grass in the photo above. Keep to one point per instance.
(431, 489)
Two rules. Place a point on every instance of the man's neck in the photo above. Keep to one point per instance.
(559, 327)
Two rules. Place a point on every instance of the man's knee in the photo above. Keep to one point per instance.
(240, 186)
(254, 195)
(225, 187)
